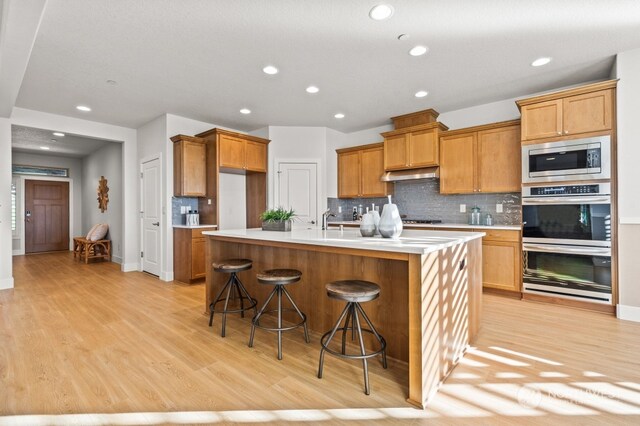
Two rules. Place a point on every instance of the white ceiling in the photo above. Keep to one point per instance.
(203, 59)
(28, 139)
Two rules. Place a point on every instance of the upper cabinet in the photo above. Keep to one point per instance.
(189, 166)
(412, 147)
(359, 171)
(237, 151)
(481, 159)
(580, 111)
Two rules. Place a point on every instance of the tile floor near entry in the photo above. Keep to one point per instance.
(91, 345)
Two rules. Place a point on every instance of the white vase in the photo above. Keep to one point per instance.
(390, 222)
(367, 225)
(376, 219)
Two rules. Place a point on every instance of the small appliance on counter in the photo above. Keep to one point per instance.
(193, 218)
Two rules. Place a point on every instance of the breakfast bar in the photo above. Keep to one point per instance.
(431, 286)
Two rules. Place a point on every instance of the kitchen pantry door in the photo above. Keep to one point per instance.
(151, 217)
(298, 189)
(46, 222)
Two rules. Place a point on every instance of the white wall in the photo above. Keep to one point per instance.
(106, 162)
(298, 144)
(130, 177)
(628, 107)
(6, 251)
(75, 174)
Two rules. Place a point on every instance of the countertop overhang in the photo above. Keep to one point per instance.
(410, 242)
(460, 226)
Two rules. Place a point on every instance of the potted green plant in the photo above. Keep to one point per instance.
(277, 219)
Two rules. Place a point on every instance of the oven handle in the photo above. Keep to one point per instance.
(566, 200)
(588, 251)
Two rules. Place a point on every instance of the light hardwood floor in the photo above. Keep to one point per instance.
(91, 345)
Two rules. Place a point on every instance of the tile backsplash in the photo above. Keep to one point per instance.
(421, 199)
(178, 218)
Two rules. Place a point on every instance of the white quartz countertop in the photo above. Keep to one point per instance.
(413, 242)
(195, 226)
(440, 225)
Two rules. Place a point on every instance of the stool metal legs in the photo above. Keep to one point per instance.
(278, 290)
(233, 286)
(353, 311)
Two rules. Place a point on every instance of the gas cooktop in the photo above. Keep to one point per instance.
(421, 221)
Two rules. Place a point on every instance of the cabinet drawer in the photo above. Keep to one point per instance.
(500, 235)
(197, 233)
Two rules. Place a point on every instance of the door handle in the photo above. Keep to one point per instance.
(156, 223)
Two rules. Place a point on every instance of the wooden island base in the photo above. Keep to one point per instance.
(428, 310)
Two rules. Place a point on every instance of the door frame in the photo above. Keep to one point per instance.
(21, 208)
(156, 156)
(321, 200)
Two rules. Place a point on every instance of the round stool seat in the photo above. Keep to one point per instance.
(353, 290)
(232, 265)
(279, 276)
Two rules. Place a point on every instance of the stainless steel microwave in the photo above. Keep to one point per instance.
(579, 159)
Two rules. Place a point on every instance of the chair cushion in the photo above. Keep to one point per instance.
(93, 228)
(99, 232)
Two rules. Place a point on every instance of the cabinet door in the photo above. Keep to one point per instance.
(501, 265)
(542, 120)
(423, 148)
(232, 152)
(498, 160)
(457, 164)
(256, 156)
(396, 154)
(349, 174)
(194, 169)
(590, 112)
(372, 166)
(198, 267)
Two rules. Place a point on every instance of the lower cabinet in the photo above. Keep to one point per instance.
(501, 260)
(189, 254)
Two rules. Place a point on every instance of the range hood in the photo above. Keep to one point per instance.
(413, 174)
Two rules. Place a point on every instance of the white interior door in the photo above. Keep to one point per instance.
(298, 189)
(151, 216)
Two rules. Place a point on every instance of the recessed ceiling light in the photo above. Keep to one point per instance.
(421, 93)
(58, 134)
(245, 111)
(418, 51)
(46, 148)
(381, 12)
(540, 62)
(339, 115)
(53, 140)
(83, 108)
(112, 82)
(270, 69)
(312, 89)
(403, 37)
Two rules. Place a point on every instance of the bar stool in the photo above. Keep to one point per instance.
(353, 292)
(279, 278)
(233, 286)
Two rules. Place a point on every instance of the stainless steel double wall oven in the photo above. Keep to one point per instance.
(567, 227)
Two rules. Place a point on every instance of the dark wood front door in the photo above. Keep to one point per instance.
(46, 207)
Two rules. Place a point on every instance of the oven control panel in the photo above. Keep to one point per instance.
(565, 190)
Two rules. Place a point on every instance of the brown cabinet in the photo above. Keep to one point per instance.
(359, 171)
(501, 260)
(481, 159)
(189, 166)
(240, 153)
(189, 254)
(580, 111)
(412, 147)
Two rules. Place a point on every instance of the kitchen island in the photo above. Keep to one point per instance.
(431, 286)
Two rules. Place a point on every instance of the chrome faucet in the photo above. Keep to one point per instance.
(326, 215)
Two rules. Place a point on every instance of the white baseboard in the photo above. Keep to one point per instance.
(629, 313)
(6, 283)
(166, 276)
(18, 252)
(116, 259)
(130, 267)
